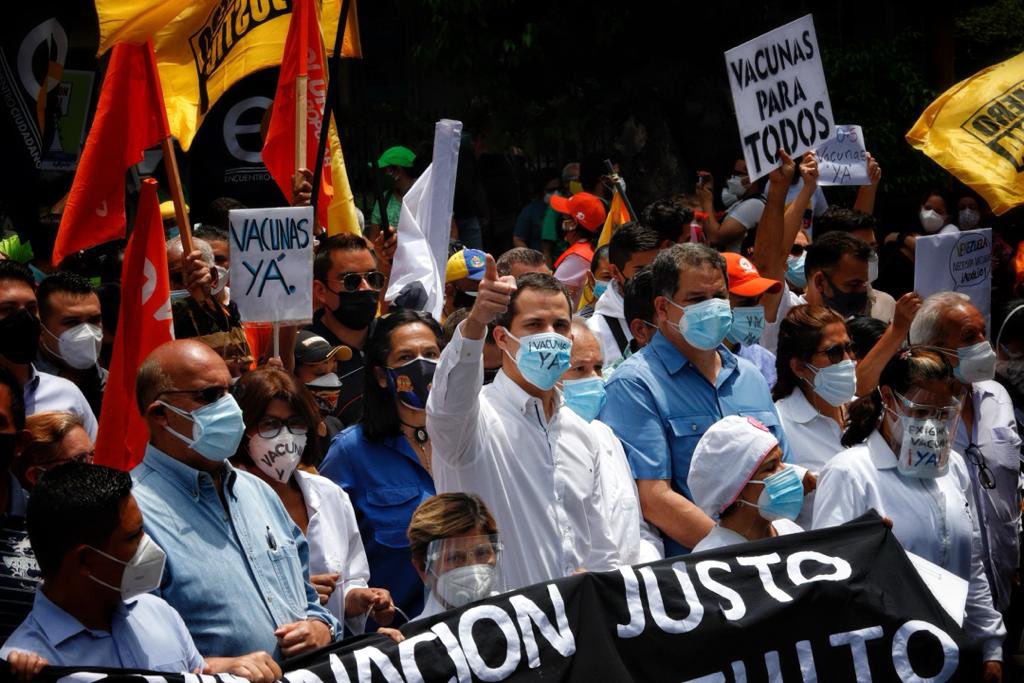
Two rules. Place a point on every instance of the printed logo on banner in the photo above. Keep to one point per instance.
(843, 160)
(778, 88)
(999, 125)
(271, 263)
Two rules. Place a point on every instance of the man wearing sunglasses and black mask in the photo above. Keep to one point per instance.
(346, 289)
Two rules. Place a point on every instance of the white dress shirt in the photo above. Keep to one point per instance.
(995, 433)
(930, 517)
(610, 304)
(44, 392)
(719, 536)
(636, 540)
(334, 543)
(541, 479)
(813, 440)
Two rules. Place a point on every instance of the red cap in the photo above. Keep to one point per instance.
(744, 280)
(585, 208)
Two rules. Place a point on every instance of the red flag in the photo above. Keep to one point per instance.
(303, 54)
(127, 122)
(145, 323)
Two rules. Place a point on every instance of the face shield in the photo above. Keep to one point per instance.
(463, 569)
(925, 435)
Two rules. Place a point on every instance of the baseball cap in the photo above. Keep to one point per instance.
(312, 348)
(396, 156)
(725, 459)
(744, 280)
(466, 263)
(586, 209)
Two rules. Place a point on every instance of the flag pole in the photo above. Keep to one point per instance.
(332, 95)
(301, 90)
(620, 187)
(170, 161)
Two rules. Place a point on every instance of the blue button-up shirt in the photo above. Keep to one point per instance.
(659, 405)
(236, 570)
(146, 633)
(386, 482)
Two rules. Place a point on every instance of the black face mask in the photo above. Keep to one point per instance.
(846, 304)
(355, 310)
(490, 374)
(19, 337)
(463, 300)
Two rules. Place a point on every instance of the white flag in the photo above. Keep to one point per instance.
(425, 225)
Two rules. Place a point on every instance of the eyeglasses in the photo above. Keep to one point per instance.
(977, 458)
(84, 458)
(926, 412)
(268, 427)
(205, 396)
(837, 352)
(352, 281)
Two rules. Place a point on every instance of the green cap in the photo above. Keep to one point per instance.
(396, 156)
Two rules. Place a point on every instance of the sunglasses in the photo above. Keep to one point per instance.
(351, 282)
(205, 396)
(837, 352)
(977, 458)
(269, 427)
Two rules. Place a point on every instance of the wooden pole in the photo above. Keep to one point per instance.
(301, 83)
(332, 95)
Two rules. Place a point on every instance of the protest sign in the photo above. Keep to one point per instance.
(843, 160)
(272, 263)
(778, 88)
(836, 604)
(957, 262)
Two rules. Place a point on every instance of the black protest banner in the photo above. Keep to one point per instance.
(840, 604)
(778, 88)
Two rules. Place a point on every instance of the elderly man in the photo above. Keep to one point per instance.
(662, 399)
(237, 566)
(986, 435)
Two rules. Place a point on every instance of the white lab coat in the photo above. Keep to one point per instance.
(720, 537)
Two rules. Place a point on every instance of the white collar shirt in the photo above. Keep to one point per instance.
(930, 517)
(540, 478)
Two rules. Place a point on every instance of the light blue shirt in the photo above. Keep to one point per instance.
(659, 406)
(44, 392)
(146, 633)
(235, 571)
(763, 360)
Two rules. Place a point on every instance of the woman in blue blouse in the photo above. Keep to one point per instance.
(383, 462)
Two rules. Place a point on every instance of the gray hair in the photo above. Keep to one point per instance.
(174, 246)
(927, 325)
(670, 262)
(569, 171)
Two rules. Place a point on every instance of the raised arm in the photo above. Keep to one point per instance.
(867, 193)
(769, 255)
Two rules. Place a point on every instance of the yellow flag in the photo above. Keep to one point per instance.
(617, 215)
(205, 48)
(975, 130)
(341, 212)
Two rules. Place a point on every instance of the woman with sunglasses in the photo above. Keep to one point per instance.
(383, 462)
(281, 423)
(817, 378)
(899, 462)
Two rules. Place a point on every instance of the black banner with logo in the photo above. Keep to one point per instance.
(840, 604)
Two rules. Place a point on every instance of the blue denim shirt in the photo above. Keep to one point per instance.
(659, 405)
(236, 570)
(386, 482)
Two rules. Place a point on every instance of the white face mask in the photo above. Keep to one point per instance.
(969, 219)
(277, 457)
(79, 346)
(463, 585)
(931, 220)
(142, 573)
(924, 448)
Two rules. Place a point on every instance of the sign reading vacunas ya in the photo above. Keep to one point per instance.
(841, 604)
(272, 263)
(778, 89)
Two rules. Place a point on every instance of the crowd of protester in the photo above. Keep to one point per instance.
(703, 379)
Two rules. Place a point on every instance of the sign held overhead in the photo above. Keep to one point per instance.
(778, 88)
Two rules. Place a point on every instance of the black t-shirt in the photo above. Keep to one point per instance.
(19, 573)
(350, 401)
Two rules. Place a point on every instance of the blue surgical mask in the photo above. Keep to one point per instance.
(585, 396)
(217, 428)
(705, 324)
(599, 287)
(747, 325)
(542, 358)
(836, 384)
(782, 496)
(795, 270)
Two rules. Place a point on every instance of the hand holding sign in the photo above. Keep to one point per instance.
(809, 170)
(492, 299)
(198, 278)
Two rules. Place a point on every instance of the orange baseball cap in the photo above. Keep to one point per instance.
(744, 280)
(586, 209)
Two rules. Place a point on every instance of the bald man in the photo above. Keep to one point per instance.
(583, 391)
(237, 566)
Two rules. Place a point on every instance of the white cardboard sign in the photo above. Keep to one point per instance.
(956, 262)
(843, 160)
(272, 263)
(778, 89)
